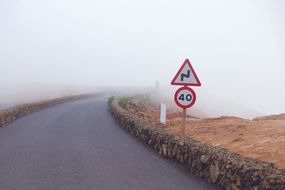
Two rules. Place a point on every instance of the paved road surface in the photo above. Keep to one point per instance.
(78, 146)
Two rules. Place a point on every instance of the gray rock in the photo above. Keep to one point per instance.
(214, 171)
(205, 158)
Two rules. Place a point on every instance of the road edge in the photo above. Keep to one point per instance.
(11, 114)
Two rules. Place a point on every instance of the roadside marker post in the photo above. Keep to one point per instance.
(185, 97)
(163, 113)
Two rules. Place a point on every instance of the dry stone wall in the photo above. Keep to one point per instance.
(11, 114)
(216, 165)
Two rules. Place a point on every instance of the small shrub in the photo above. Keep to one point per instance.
(123, 103)
(110, 100)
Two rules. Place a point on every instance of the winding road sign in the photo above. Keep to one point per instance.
(185, 97)
(186, 76)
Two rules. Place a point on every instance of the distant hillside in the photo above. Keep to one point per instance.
(19, 94)
(208, 105)
(271, 117)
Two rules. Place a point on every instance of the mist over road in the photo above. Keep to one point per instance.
(5, 106)
(78, 145)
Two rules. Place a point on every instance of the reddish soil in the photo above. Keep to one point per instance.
(263, 138)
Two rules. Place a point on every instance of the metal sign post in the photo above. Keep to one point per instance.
(185, 97)
(183, 121)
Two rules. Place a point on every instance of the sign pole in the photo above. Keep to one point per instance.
(183, 121)
(185, 97)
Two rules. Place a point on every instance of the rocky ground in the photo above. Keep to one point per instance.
(262, 138)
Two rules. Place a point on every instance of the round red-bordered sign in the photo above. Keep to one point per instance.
(185, 97)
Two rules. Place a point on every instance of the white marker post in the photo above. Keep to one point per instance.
(163, 113)
(185, 97)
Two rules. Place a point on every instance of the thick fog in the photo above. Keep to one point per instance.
(236, 47)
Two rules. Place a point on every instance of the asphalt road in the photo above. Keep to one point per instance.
(79, 146)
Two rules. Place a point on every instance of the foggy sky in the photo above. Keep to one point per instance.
(236, 47)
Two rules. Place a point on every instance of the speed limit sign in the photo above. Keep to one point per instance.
(185, 97)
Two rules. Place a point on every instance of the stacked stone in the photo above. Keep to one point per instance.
(216, 165)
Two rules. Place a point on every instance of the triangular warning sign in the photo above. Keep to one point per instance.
(186, 76)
